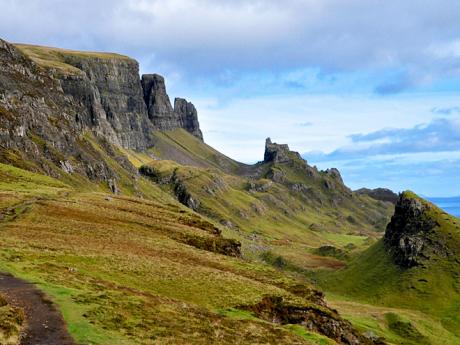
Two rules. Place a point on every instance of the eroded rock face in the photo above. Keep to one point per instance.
(315, 317)
(113, 104)
(46, 114)
(41, 126)
(160, 112)
(278, 153)
(158, 104)
(188, 116)
(410, 236)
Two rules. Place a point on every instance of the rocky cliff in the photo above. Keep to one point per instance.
(111, 95)
(52, 99)
(160, 111)
(111, 98)
(413, 236)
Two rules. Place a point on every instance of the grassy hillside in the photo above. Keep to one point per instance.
(424, 298)
(182, 147)
(56, 58)
(290, 219)
(126, 270)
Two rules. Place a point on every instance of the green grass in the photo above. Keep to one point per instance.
(121, 273)
(182, 147)
(11, 321)
(278, 219)
(433, 290)
(49, 57)
(313, 338)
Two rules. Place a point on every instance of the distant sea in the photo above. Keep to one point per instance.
(450, 205)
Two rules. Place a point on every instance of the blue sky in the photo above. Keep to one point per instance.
(369, 86)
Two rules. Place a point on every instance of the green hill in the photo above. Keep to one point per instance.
(280, 206)
(414, 269)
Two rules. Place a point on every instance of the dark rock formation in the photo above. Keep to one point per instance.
(335, 175)
(188, 117)
(41, 129)
(113, 105)
(158, 104)
(50, 118)
(411, 236)
(278, 153)
(382, 194)
(314, 317)
(160, 111)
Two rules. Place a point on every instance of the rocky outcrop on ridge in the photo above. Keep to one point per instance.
(278, 153)
(188, 116)
(315, 317)
(411, 236)
(162, 114)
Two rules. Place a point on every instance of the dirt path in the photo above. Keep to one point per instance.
(44, 323)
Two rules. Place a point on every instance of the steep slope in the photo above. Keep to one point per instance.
(279, 206)
(415, 267)
(133, 271)
(70, 115)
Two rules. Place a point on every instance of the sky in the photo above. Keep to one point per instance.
(368, 86)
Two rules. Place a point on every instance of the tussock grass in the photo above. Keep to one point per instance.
(49, 57)
(119, 270)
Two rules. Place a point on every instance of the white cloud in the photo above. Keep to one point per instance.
(203, 36)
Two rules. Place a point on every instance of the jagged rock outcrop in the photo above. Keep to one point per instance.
(314, 317)
(278, 153)
(188, 116)
(162, 115)
(411, 236)
(279, 157)
(158, 104)
(382, 194)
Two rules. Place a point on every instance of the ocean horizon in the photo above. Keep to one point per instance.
(450, 205)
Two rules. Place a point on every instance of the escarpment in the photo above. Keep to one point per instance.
(52, 101)
(108, 95)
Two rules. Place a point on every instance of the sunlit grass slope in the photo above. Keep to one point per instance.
(265, 215)
(57, 58)
(426, 298)
(122, 272)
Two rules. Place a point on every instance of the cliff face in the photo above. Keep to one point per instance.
(188, 117)
(111, 92)
(161, 112)
(50, 99)
(413, 235)
(41, 129)
(111, 98)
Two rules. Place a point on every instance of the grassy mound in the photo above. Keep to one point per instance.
(432, 288)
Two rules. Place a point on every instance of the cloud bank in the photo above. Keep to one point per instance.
(203, 37)
(439, 135)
